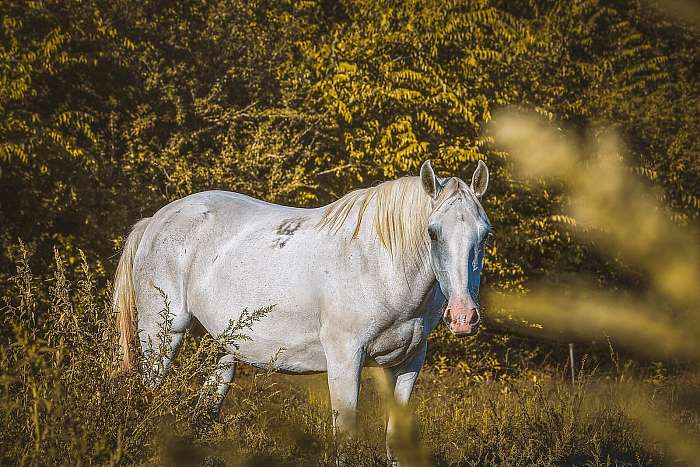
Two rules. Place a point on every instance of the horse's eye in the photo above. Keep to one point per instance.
(432, 234)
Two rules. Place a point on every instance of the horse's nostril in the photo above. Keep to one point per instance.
(447, 316)
(475, 317)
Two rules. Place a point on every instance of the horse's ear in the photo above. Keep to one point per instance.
(480, 179)
(428, 180)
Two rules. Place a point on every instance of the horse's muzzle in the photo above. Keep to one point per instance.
(462, 321)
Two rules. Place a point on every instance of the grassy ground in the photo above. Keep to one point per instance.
(64, 402)
(535, 419)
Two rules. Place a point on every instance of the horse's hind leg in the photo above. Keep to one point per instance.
(162, 321)
(220, 381)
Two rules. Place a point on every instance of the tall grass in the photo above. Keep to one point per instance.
(64, 401)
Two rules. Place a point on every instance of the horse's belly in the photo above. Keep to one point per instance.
(284, 348)
(284, 337)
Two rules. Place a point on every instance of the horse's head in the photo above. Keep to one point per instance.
(458, 228)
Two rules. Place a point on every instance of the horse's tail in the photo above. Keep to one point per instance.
(124, 300)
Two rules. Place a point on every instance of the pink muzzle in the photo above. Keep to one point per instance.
(461, 318)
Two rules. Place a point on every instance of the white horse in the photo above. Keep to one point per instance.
(359, 282)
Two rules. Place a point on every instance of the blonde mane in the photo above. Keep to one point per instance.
(401, 213)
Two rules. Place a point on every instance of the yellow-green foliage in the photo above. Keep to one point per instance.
(107, 111)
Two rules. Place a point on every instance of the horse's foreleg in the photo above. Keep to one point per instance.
(220, 381)
(344, 370)
(399, 430)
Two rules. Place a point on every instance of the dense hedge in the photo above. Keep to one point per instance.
(108, 110)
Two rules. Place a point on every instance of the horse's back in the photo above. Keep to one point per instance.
(182, 222)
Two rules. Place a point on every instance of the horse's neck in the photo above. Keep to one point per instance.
(418, 278)
(413, 279)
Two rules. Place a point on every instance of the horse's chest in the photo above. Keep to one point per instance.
(398, 342)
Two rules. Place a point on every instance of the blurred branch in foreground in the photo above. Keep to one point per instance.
(614, 210)
(679, 10)
(589, 314)
(660, 427)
